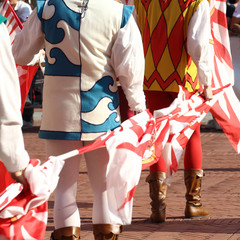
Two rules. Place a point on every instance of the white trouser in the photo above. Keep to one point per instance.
(65, 207)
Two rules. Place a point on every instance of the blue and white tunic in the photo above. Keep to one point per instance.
(88, 45)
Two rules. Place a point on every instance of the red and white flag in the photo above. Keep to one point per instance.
(185, 114)
(131, 148)
(14, 25)
(227, 109)
(23, 214)
(25, 73)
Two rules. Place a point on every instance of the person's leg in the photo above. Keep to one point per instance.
(193, 151)
(193, 174)
(104, 225)
(66, 214)
(158, 100)
(157, 187)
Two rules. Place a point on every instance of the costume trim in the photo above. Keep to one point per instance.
(3, 19)
(127, 12)
(40, 4)
(61, 14)
(54, 135)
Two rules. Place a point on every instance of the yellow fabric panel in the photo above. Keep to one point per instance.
(165, 66)
(154, 87)
(192, 70)
(173, 87)
(181, 69)
(188, 86)
(141, 15)
(154, 10)
(149, 64)
(172, 16)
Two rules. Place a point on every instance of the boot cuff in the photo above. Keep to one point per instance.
(107, 228)
(66, 232)
(194, 172)
(154, 176)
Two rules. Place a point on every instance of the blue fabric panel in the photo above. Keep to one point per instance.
(59, 135)
(3, 19)
(127, 12)
(56, 35)
(90, 100)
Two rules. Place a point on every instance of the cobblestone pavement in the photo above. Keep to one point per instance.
(220, 194)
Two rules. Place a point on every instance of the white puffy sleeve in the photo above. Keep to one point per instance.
(128, 62)
(29, 41)
(12, 150)
(198, 43)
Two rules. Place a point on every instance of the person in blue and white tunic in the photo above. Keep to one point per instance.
(88, 44)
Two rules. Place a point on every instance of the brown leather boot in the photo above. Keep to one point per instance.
(66, 233)
(158, 194)
(193, 179)
(106, 231)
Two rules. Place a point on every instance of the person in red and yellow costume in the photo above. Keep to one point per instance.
(176, 37)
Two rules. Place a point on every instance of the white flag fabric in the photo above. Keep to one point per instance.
(227, 109)
(23, 214)
(42, 180)
(133, 146)
(130, 150)
(185, 113)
